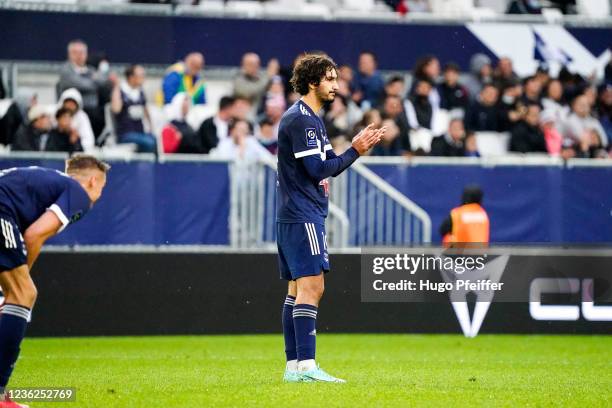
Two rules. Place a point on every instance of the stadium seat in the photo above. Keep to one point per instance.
(421, 139)
(593, 8)
(492, 143)
(248, 8)
(452, 7)
(360, 5)
(498, 6)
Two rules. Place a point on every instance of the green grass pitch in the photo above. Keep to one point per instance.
(382, 370)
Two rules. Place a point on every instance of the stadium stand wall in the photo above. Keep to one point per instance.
(187, 202)
(224, 40)
(194, 293)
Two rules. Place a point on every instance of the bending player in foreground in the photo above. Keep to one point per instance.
(305, 161)
(40, 203)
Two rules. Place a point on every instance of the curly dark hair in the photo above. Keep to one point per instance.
(310, 69)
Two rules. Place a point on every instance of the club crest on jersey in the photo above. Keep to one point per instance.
(311, 137)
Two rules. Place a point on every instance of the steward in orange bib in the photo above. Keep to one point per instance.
(467, 223)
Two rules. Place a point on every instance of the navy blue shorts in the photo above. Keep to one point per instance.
(302, 250)
(12, 248)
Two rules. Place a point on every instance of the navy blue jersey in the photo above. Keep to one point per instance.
(300, 197)
(27, 192)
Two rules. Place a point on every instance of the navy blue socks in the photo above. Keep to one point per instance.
(288, 329)
(305, 322)
(13, 322)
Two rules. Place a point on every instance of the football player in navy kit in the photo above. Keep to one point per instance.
(305, 161)
(35, 204)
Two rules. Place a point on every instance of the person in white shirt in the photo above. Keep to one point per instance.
(240, 145)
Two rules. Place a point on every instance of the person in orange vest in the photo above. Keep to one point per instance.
(468, 223)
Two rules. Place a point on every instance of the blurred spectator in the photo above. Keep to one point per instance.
(418, 107)
(511, 106)
(484, 114)
(542, 74)
(243, 109)
(345, 73)
(274, 108)
(390, 145)
(2, 90)
(129, 105)
(450, 144)
(250, 83)
(481, 73)
(552, 136)
(372, 116)
(33, 135)
(580, 121)
(336, 118)
(214, 129)
(590, 146)
(524, 7)
(10, 120)
(368, 84)
(395, 86)
(267, 135)
(604, 110)
(392, 108)
(185, 77)
(178, 136)
(275, 91)
(471, 146)
(532, 89)
(427, 68)
(504, 73)
(398, 6)
(71, 100)
(553, 101)
(88, 81)
(452, 94)
(63, 137)
(354, 113)
(240, 145)
(527, 136)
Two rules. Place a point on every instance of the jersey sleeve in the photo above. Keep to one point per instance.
(304, 138)
(71, 205)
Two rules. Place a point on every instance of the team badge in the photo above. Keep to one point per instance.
(311, 137)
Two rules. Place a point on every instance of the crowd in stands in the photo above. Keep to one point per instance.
(439, 112)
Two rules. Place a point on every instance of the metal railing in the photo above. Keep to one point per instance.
(378, 213)
(253, 208)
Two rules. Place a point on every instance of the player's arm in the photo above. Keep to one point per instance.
(35, 236)
(320, 169)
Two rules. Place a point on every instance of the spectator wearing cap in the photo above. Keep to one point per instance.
(33, 135)
(71, 100)
(484, 113)
(552, 136)
(250, 83)
(63, 137)
(368, 85)
(450, 144)
(480, 74)
(527, 136)
(452, 94)
(215, 128)
(185, 77)
(129, 105)
(580, 121)
(89, 82)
